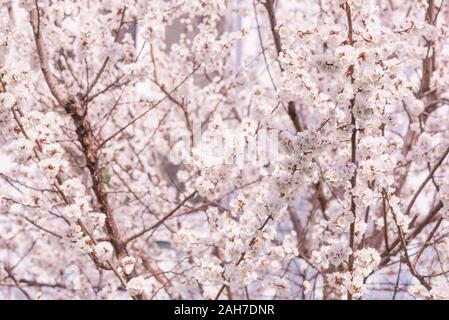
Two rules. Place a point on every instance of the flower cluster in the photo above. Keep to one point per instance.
(188, 149)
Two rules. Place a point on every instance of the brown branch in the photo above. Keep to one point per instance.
(106, 60)
(66, 201)
(386, 255)
(17, 284)
(148, 110)
(242, 257)
(353, 154)
(86, 138)
(426, 243)
(269, 6)
(88, 143)
(426, 180)
(161, 221)
(48, 76)
(259, 33)
(411, 267)
(43, 228)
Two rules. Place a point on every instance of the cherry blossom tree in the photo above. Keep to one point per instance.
(224, 149)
